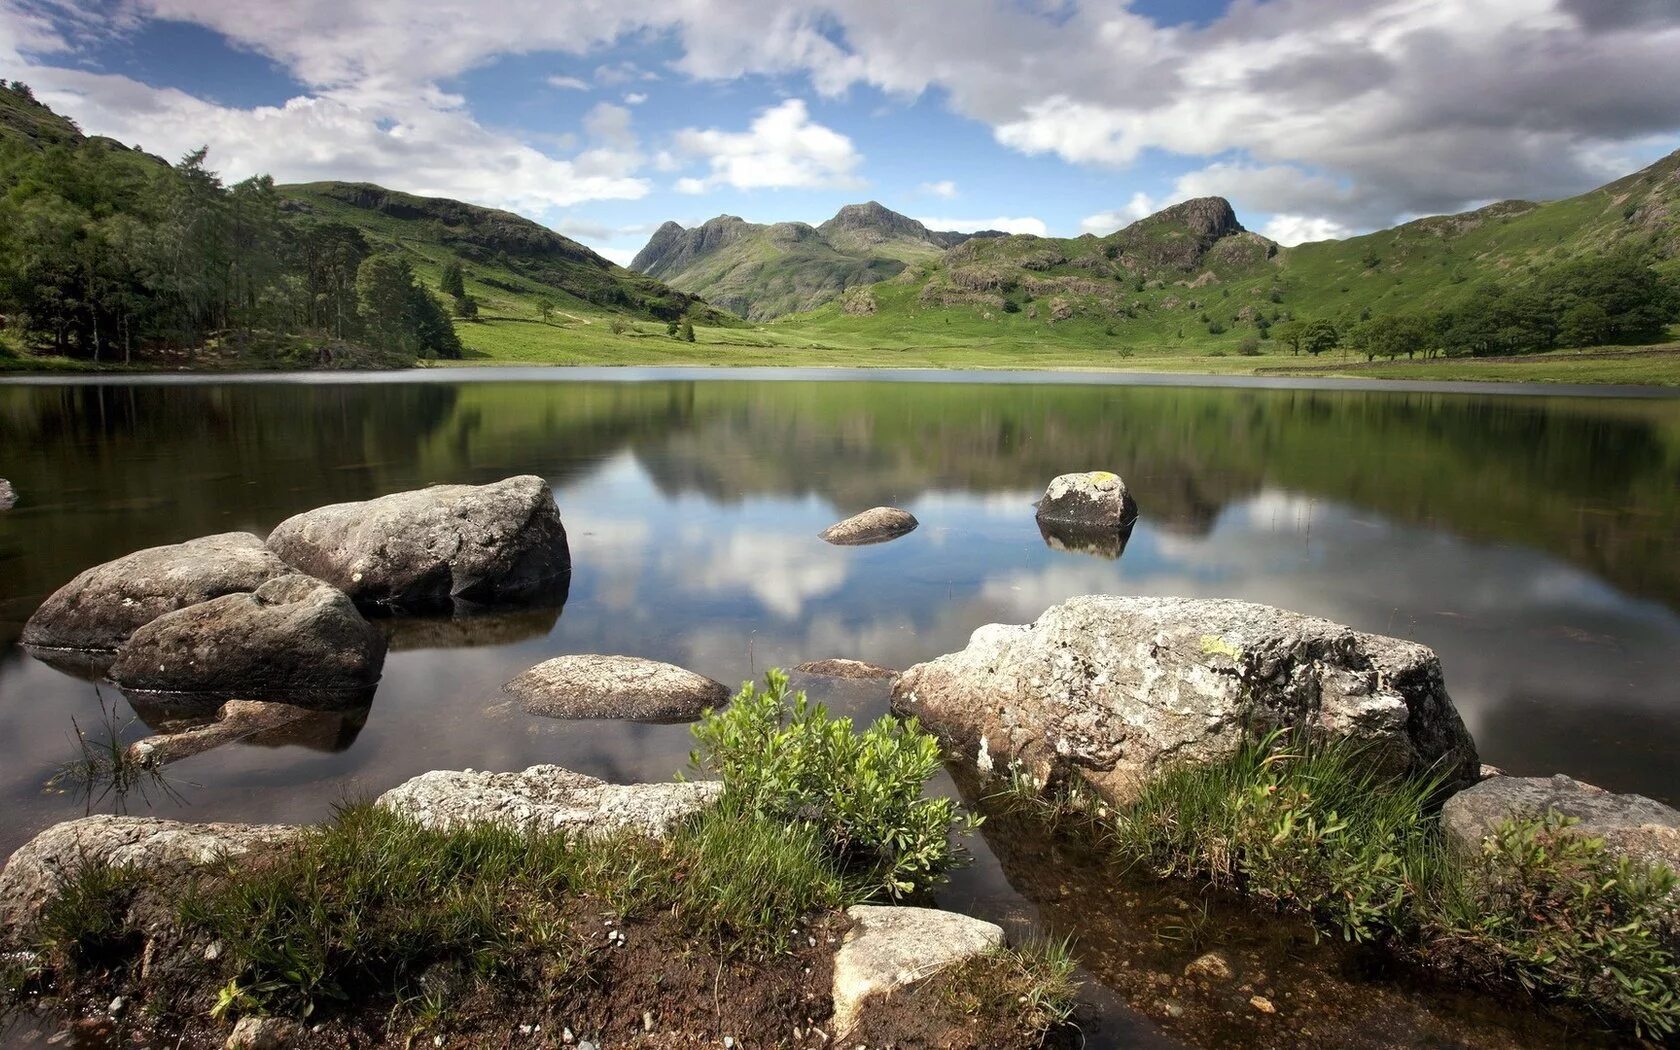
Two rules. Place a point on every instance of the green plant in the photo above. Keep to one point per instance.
(780, 756)
(85, 925)
(1031, 987)
(104, 768)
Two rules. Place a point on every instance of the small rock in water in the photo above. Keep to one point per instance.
(1263, 1004)
(588, 685)
(876, 525)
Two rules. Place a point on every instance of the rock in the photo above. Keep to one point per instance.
(166, 851)
(431, 549)
(1630, 825)
(1212, 966)
(8, 495)
(628, 687)
(876, 525)
(100, 608)
(546, 798)
(851, 670)
(238, 720)
(265, 1033)
(890, 948)
(293, 638)
(1113, 690)
(1262, 1004)
(1096, 499)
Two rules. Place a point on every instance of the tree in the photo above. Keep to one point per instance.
(453, 283)
(399, 315)
(545, 309)
(1291, 333)
(466, 308)
(618, 325)
(671, 329)
(688, 331)
(1319, 337)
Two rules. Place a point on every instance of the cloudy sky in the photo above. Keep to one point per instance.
(602, 118)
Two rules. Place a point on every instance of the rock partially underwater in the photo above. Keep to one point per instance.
(876, 525)
(546, 798)
(587, 685)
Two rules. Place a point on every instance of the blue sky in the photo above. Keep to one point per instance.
(603, 119)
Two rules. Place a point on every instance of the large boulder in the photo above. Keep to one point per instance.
(100, 608)
(1630, 825)
(588, 685)
(1093, 500)
(167, 852)
(876, 525)
(888, 949)
(546, 798)
(430, 549)
(292, 639)
(1114, 690)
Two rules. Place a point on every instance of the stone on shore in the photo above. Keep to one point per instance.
(1115, 690)
(103, 606)
(588, 685)
(1096, 499)
(851, 670)
(888, 949)
(433, 549)
(293, 638)
(876, 525)
(546, 798)
(1633, 826)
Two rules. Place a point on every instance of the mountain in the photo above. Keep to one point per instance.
(763, 271)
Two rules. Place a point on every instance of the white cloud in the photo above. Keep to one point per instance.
(944, 188)
(568, 83)
(1006, 223)
(635, 98)
(782, 148)
(1299, 229)
(1104, 223)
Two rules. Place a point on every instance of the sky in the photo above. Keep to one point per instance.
(604, 118)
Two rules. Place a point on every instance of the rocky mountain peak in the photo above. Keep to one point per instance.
(872, 217)
(1208, 218)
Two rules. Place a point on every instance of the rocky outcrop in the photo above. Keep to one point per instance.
(888, 949)
(628, 687)
(546, 798)
(292, 638)
(1630, 825)
(1095, 500)
(852, 670)
(1113, 690)
(430, 549)
(167, 852)
(876, 525)
(103, 606)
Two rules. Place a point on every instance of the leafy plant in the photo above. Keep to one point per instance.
(782, 757)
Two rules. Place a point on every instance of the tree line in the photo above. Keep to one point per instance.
(105, 251)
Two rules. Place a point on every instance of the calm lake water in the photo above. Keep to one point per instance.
(1533, 541)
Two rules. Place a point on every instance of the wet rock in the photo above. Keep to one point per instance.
(8, 495)
(168, 852)
(294, 637)
(592, 686)
(546, 798)
(1113, 689)
(1630, 825)
(851, 670)
(265, 1033)
(876, 525)
(101, 607)
(436, 548)
(891, 948)
(244, 721)
(1096, 499)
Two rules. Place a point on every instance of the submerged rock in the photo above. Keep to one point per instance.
(1096, 499)
(546, 798)
(1633, 826)
(293, 638)
(892, 948)
(8, 495)
(167, 852)
(1114, 690)
(431, 549)
(876, 525)
(249, 721)
(852, 670)
(587, 685)
(102, 606)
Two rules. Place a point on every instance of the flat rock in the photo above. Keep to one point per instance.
(1630, 825)
(8, 495)
(294, 637)
(587, 685)
(892, 948)
(876, 525)
(546, 798)
(1095, 499)
(102, 606)
(168, 852)
(852, 670)
(1114, 690)
(432, 549)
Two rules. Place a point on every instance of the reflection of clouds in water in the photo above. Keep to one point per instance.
(782, 571)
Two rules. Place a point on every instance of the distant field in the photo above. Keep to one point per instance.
(1650, 366)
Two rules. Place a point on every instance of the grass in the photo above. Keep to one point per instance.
(104, 768)
(1034, 984)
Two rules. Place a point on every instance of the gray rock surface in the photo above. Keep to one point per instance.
(1096, 499)
(8, 495)
(429, 549)
(876, 525)
(102, 606)
(847, 669)
(587, 685)
(891, 948)
(293, 637)
(1114, 690)
(546, 798)
(166, 851)
(266, 1033)
(1630, 825)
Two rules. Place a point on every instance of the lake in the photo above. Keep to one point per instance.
(1532, 537)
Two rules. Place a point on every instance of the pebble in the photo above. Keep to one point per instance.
(647, 1020)
(728, 1042)
(116, 1006)
(1263, 1004)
